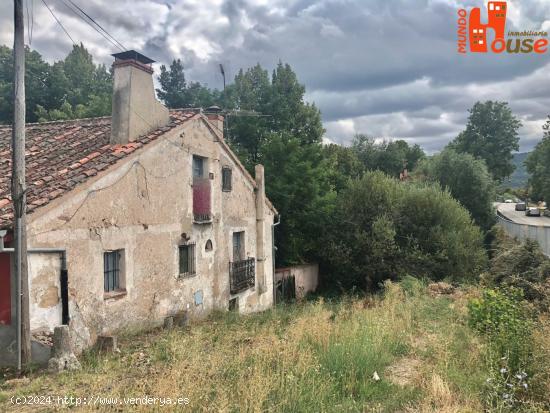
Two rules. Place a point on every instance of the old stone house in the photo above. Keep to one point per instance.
(134, 217)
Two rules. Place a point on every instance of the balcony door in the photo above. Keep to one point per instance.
(238, 246)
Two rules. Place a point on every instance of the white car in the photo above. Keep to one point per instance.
(532, 212)
(508, 201)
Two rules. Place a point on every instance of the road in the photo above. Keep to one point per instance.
(508, 210)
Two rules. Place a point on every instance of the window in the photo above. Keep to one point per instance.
(226, 179)
(111, 271)
(241, 269)
(198, 167)
(238, 246)
(234, 304)
(241, 275)
(208, 246)
(187, 260)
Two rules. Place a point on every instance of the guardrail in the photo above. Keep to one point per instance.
(522, 232)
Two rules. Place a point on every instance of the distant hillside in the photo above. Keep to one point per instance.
(520, 176)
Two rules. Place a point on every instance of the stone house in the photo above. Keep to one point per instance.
(134, 217)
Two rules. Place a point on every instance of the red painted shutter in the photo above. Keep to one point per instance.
(5, 289)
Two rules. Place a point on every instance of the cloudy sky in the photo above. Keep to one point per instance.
(384, 68)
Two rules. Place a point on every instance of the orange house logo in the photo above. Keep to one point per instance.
(473, 33)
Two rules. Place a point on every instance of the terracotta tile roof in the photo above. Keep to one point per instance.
(61, 155)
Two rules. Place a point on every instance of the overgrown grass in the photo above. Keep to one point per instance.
(318, 356)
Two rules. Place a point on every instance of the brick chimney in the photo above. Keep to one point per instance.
(215, 117)
(136, 111)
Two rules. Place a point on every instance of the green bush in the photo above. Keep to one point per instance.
(383, 228)
(467, 179)
(502, 317)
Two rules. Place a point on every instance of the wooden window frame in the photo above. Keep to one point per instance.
(191, 251)
(227, 179)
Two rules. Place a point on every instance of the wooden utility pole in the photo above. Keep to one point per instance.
(18, 187)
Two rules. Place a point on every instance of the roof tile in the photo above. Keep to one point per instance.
(61, 155)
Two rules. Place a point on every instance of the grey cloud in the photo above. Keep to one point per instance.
(379, 67)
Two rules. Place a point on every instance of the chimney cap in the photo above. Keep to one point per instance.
(132, 55)
(213, 109)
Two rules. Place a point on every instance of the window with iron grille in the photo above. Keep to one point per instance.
(226, 179)
(242, 275)
(187, 260)
(111, 270)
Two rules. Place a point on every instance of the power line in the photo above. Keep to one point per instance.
(93, 24)
(98, 25)
(58, 22)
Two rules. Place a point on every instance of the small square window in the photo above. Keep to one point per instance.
(111, 271)
(475, 30)
(481, 42)
(497, 7)
(226, 178)
(187, 260)
(481, 30)
(491, 6)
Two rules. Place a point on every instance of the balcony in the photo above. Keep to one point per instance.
(202, 213)
(242, 275)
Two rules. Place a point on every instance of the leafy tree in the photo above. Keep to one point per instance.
(37, 72)
(492, 135)
(175, 92)
(390, 157)
(71, 88)
(80, 72)
(289, 112)
(273, 125)
(467, 179)
(538, 166)
(384, 229)
(298, 185)
(251, 91)
(278, 106)
(343, 164)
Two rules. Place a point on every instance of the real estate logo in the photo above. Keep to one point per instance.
(471, 32)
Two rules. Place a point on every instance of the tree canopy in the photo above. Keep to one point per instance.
(467, 180)
(271, 123)
(71, 88)
(538, 166)
(492, 135)
(385, 229)
(388, 156)
(176, 92)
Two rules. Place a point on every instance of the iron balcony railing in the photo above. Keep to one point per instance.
(242, 275)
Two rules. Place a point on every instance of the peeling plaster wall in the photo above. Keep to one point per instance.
(45, 296)
(143, 206)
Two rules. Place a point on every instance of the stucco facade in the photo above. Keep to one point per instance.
(143, 207)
